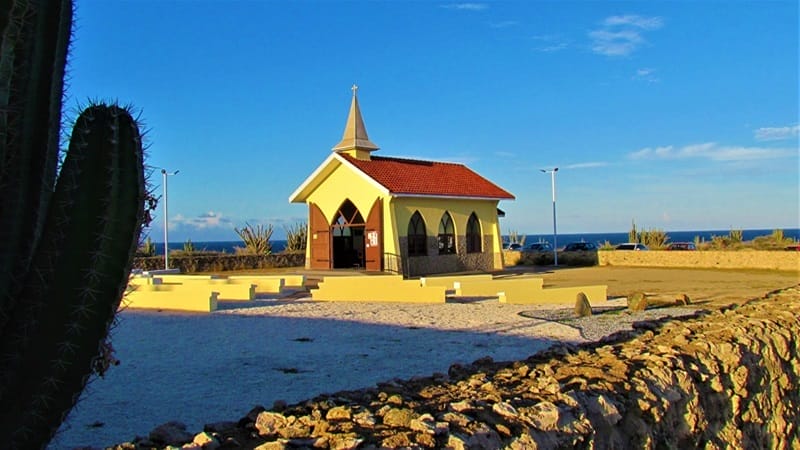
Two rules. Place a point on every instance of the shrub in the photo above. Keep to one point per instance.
(296, 237)
(633, 236)
(607, 245)
(148, 248)
(188, 247)
(256, 239)
(654, 239)
(515, 238)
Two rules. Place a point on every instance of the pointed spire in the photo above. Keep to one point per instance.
(355, 133)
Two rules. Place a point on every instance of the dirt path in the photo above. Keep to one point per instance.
(706, 285)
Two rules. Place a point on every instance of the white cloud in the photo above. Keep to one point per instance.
(622, 35)
(646, 74)
(550, 43)
(777, 133)
(204, 221)
(504, 24)
(645, 23)
(466, 6)
(586, 165)
(713, 152)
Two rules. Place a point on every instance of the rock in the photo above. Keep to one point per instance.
(338, 413)
(268, 423)
(222, 427)
(683, 300)
(397, 440)
(582, 306)
(171, 433)
(398, 417)
(277, 445)
(484, 438)
(543, 415)
(206, 441)
(505, 409)
(344, 442)
(637, 301)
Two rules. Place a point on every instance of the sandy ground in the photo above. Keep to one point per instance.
(205, 368)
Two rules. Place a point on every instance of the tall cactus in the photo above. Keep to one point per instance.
(66, 245)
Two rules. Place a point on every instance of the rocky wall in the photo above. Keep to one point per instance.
(708, 259)
(221, 262)
(720, 379)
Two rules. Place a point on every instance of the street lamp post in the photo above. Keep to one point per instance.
(164, 175)
(552, 173)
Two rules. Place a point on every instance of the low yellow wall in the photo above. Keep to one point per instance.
(262, 285)
(512, 286)
(447, 281)
(389, 288)
(561, 296)
(224, 288)
(184, 298)
(706, 259)
(288, 280)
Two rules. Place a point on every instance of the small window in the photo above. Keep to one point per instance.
(473, 234)
(447, 235)
(417, 238)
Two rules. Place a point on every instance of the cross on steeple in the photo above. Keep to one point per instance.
(355, 140)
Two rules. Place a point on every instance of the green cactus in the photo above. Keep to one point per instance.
(68, 236)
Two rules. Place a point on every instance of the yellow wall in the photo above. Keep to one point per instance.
(432, 210)
(343, 184)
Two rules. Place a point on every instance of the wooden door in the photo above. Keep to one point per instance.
(373, 237)
(320, 238)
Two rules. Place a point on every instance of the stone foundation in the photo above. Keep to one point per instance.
(434, 263)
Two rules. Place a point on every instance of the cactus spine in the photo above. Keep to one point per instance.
(66, 245)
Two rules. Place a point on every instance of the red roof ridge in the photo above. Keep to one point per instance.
(421, 177)
(414, 160)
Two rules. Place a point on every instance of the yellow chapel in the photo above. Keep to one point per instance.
(405, 216)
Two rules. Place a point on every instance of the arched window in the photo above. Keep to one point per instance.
(447, 235)
(417, 239)
(473, 234)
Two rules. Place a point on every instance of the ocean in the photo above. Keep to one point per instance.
(563, 239)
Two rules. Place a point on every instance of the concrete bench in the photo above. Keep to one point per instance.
(448, 280)
(556, 295)
(491, 288)
(225, 289)
(269, 283)
(263, 285)
(386, 288)
(185, 298)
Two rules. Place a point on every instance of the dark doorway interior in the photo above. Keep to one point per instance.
(348, 238)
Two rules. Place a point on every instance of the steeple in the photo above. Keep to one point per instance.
(355, 141)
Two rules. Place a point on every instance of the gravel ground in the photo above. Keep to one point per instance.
(608, 320)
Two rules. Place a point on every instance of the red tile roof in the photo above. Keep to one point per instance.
(415, 177)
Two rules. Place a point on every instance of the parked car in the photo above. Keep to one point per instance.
(513, 246)
(681, 246)
(631, 246)
(580, 246)
(539, 247)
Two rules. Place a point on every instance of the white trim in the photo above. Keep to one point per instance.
(325, 164)
(311, 178)
(383, 189)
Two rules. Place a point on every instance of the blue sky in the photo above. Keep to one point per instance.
(678, 115)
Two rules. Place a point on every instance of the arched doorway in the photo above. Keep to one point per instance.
(347, 231)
